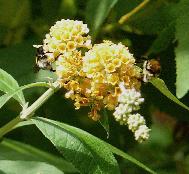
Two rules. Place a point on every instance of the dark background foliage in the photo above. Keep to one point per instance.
(159, 30)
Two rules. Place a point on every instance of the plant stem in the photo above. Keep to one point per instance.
(28, 113)
(124, 18)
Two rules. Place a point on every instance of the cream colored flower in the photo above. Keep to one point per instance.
(142, 133)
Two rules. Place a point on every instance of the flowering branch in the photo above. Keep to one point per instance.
(101, 76)
(28, 113)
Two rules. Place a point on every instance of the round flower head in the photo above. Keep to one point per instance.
(106, 65)
(111, 63)
(67, 35)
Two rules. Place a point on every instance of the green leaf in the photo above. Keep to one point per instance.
(19, 60)
(86, 152)
(163, 39)
(14, 14)
(182, 51)
(161, 86)
(27, 167)
(129, 158)
(9, 84)
(66, 139)
(49, 10)
(15, 17)
(97, 11)
(68, 9)
(6, 97)
(105, 122)
(23, 123)
(17, 151)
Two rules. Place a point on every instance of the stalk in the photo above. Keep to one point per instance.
(29, 112)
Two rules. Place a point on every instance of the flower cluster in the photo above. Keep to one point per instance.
(65, 36)
(129, 102)
(92, 74)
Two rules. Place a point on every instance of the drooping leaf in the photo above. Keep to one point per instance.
(8, 84)
(6, 97)
(182, 51)
(27, 167)
(86, 152)
(129, 158)
(161, 86)
(69, 140)
(97, 11)
(16, 151)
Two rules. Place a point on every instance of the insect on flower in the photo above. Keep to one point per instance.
(41, 61)
(151, 68)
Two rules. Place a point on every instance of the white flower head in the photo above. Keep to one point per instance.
(142, 133)
(130, 97)
(129, 101)
(134, 121)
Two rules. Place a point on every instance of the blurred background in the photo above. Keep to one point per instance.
(150, 32)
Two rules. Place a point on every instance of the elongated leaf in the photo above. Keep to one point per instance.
(23, 123)
(87, 153)
(17, 151)
(129, 158)
(8, 96)
(27, 167)
(182, 51)
(9, 84)
(97, 11)
(68, 146)
(161, 86)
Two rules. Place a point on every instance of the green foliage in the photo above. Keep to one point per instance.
(96, 154)
(16, 151)
(160, 85)
(87, 153)
(97, 11)
(129, 158)
(6, 97)
(182, 53)
(159, 29)
(15, 17)
(163, 40)
(28, 167)
(14, 14)
(9, 84)
(153, 18)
